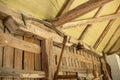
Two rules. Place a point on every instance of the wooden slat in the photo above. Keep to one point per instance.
(91, 20)
(66, 76)
(89, 26)
(47, 58)
(107, 28)
(79, 11)
(15, 73)
(28, 58)
(18, 57)
(65, 7)
(114, 33)
(8, 40)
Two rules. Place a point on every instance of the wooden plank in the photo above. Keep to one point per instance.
(18, 57)
(8, 40)
(29, 58)
(47, 58)
(79, 11)
(65, 7)
(91, 20)
(114, 33)
(66, 76)
(90, 25)
(15, 73)
(8, 58)
(105, 31)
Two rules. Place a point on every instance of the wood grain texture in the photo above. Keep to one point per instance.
(8, 40)
(79, 11)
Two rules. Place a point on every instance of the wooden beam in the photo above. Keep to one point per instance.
(114, 33)
(105, 31)
(91, 20)
(79, 11)
(8, 40)
(88, 26)
(14, 73)
(16, 27)
(113, 44)
(65, 7)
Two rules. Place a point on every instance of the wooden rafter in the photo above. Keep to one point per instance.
(114, 44)
(88, 26)
(65, 7)
(91, 21)
(114, 33)
(79, 11)
(107, 28)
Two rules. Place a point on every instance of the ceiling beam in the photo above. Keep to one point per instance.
(88, 26)
(91, 20)
(65, 7)
(105, 31)
(114, 44)
(79, 11)
(114, 33)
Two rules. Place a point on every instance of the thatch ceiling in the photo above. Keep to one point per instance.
(104, 36)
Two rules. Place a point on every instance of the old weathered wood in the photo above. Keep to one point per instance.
(114, 33)
(29, 58)
(79, 11)
(47, 58)
(60, 59)
(67, 77)
(91, 20)
(81, 37)
(8, 40)
(65, 7)
(16, 73)
(32, 30)
(107, 28)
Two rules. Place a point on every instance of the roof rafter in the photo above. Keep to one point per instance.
(88, 26)
(114, 44)
(105, 31)
(79, 11)
(91, 21)
(65, 7)
(115, 32)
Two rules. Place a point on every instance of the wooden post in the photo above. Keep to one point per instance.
(47, 58)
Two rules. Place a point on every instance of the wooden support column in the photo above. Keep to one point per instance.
(47, 58)
(79, 11)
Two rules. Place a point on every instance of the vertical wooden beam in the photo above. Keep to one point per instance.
(28, 58)
(79, 11)
(18, 57)
(89, 26)
(105, 30)
(47, 59)
(8, 57)
(65, 7)
(114, 33)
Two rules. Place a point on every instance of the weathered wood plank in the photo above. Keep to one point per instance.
(15, 73)
(79, 11)
(28, 58)
(47, 58)
(91, 20)
(18, 57)
(8, 40)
